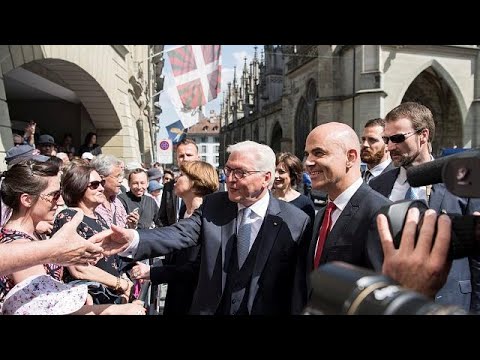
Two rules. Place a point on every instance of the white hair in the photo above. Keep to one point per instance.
(263, 155)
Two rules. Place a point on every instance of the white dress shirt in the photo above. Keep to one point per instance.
(401, 186)
(259, 209)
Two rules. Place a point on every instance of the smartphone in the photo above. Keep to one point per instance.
(136, 210)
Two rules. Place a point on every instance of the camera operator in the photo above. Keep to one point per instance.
(409, 130)
(422, 267)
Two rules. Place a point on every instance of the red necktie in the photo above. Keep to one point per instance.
(324, 229)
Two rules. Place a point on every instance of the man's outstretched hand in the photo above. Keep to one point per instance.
(69, 248)
(113, 240)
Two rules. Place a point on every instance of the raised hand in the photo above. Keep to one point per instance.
(423, 266)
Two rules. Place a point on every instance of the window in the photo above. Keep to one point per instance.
(204, 158)
(217, 159)
(204, 139)
(204, 148)
(216, 139)
(217, 148)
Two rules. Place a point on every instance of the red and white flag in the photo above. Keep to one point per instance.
(197, 72)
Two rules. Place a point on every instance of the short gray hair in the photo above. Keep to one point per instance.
(104, 164)
(263, 155)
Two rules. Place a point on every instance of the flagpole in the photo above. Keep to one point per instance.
(159, 53)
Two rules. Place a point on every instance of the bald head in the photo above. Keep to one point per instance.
(332, 152)
(339, 133)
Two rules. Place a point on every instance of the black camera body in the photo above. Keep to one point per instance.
(339, 288)
(465, 239)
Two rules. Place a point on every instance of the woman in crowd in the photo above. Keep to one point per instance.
(32, 189)
(196, 180)
(82, 188)
(288, 173)
(90, 145)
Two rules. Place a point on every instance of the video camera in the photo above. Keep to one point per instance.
(344, 289)
(461, 175)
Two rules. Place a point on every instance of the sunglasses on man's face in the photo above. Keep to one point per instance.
(399, 138)
(95, 184)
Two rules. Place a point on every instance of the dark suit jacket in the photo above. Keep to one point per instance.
(277, 284)
(167, 215)
(354, 237)
(464, 272)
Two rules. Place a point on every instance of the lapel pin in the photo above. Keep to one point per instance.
(275, 223)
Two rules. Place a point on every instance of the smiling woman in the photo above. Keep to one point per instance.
(82, 188)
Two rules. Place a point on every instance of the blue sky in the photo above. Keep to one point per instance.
(232, 55)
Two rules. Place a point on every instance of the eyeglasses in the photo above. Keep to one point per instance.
(55, 196)
(239, 173)
(119, 177)
(95, 184)
(399, 138)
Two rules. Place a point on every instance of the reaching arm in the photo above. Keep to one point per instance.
(64, 248)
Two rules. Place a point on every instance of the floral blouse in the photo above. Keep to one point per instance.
(6, 282)
(87, 228)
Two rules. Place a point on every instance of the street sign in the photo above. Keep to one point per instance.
(165, 151)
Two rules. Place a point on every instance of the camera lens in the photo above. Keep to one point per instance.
(343, 289)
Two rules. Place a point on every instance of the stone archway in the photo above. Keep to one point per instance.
(277, 135)
(430, 89)
(98, 75)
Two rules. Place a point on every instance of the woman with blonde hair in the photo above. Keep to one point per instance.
(197, 179)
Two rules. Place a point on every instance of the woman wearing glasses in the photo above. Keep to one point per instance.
(32, 189)
(82, 188)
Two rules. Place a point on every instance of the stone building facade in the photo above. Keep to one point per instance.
(298, 87)
(206, 135)
(106, 89)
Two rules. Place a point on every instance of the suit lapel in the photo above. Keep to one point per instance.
(436, 197)
(335, 235)
(384, 182)
(316, 231)
(228, 233)
(271, 226)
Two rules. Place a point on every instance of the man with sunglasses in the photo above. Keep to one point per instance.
(409, 130)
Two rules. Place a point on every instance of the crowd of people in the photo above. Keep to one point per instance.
(77, 231)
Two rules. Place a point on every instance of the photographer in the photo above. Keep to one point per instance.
(423, 266)
(409, 131)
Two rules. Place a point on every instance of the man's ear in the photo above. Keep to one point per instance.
(352, 156)
(268, 177)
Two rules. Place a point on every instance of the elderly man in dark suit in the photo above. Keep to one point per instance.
(374, 152)
(409, 130)
(253, 245)
(345, 230)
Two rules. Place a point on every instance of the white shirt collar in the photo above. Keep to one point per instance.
(260, 207)
(342, 200)
(377, 170)
(402, 175)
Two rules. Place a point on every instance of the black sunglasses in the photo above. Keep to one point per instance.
(399, 138)
(95, 184)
